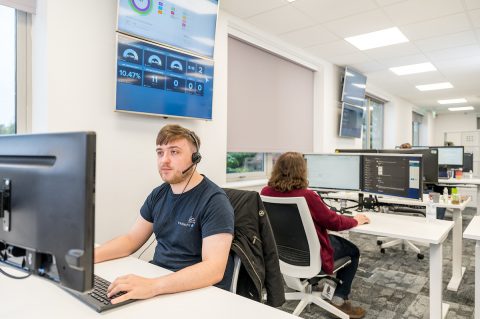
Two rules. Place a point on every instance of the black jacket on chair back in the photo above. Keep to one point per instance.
(254, 243)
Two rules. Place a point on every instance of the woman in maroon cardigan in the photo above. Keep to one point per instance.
(289, 179)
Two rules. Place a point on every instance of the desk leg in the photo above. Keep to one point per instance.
(457, 269)
(477, 200)
(436, 290)
(477, 280)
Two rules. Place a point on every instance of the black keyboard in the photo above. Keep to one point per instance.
(97, 297)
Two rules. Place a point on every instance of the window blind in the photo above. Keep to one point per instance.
(270, 102)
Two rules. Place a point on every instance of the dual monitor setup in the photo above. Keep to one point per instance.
(47, 209)
(387, 174)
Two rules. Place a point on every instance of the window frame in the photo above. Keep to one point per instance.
(23, 118)
(247, 176)
(367, 127)
(268, 164)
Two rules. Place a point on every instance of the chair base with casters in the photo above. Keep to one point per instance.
(304, 291)
(405, 243)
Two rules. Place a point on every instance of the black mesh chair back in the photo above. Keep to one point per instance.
(289, 233)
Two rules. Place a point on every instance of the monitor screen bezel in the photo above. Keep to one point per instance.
(420, 198)
(344, 87)
(169, 46)
(334, 154)
(163, 115)
(41, 167)
(341, 121)
(449, 165)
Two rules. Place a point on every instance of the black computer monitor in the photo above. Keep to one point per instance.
(393, 174)
(450, 156)
(47, 214)
(467, 162)
(429, 159)
(356, 150)
(333, 171)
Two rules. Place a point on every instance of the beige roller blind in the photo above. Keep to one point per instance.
(22, 5)
(270, 102)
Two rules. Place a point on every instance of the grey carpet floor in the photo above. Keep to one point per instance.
(395, 284)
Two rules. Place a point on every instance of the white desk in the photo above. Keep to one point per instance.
(464, 181)
(40, 299)
(457, 209)
(468, 182)
(419, 229)
(473, 232)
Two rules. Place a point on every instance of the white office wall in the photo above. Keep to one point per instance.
(427, 130)
(453, 122)
(73, 89)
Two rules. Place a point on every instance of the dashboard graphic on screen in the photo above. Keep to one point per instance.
(156, 80)
(185, 24)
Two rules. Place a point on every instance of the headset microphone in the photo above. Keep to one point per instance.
(188, 168)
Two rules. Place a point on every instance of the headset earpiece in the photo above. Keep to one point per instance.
(196, 158)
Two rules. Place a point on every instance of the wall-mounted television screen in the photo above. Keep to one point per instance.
(184, 24)
(157, 80)
(351, 121)
(354, 84)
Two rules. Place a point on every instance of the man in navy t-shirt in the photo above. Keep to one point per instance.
(192, 220)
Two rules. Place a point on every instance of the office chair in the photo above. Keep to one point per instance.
(299, 251)
(405, 243)
(237, 263)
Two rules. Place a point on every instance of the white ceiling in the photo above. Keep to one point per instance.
(443, 32)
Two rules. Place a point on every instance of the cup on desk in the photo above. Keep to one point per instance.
(450, 173)
(435, 197)
(458, 173)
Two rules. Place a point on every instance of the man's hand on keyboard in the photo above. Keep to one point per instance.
(136, 287)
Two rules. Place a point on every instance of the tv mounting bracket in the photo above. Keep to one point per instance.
(5, 203)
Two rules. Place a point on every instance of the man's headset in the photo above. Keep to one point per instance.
(196, 156)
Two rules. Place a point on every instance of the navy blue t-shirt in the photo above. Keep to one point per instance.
(181, 221)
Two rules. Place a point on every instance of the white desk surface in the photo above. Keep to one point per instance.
(473, 229)
(38, 298)
(412, 228)
(472, 181)
(400, 201)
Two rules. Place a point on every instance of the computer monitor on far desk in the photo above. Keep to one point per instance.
(47, 206)
(450, 156)
(429, 161)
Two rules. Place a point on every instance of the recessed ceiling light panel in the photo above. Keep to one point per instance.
(413, 68)
(435, 86)
(461, 108)
(452, 101)
(377, 39)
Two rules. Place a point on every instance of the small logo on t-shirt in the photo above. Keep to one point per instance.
(190, 223)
